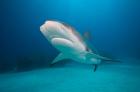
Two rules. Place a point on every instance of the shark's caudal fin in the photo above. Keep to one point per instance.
(60, 57)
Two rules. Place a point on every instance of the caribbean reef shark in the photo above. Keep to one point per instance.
(70, 44)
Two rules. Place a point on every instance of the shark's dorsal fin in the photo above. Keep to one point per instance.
(60, 57)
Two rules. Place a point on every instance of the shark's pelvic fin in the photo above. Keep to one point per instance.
(60, 57)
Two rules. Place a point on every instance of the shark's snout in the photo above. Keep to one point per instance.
(49, 25)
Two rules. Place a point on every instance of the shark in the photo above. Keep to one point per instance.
(70, 44)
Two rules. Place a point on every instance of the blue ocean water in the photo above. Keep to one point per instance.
(25, 54)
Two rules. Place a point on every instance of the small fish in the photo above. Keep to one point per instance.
(70, 44)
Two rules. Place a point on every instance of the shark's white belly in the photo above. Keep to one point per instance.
(62, 38)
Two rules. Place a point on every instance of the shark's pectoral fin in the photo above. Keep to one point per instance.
(60, 57)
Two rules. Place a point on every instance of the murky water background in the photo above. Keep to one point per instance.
(25, 54)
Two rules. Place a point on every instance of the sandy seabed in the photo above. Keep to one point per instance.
(108, 78)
